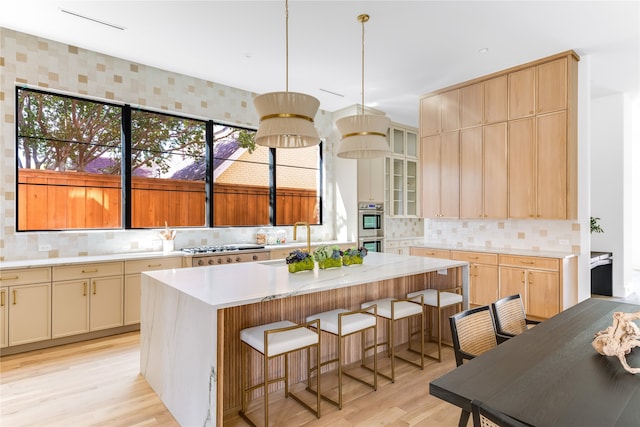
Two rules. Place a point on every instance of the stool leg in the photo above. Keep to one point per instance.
(392, 348)
(265, 377)
(439, 335)
(340, 338)
(318, 396)
(243, 375)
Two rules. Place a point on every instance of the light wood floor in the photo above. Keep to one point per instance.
(97, 383)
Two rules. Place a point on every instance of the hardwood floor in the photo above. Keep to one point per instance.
(97, 383)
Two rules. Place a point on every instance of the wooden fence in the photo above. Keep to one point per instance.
(49, 200)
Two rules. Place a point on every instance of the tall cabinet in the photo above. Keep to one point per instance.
(503, 146)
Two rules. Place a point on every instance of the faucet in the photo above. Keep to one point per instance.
(295, 228)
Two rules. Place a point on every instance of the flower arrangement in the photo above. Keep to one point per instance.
(328, 256)
(354, 256)
(299, 261)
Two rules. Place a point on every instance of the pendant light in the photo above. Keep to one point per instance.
(363, 136)
(286, 118)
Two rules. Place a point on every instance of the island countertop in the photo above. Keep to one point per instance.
(246, 283)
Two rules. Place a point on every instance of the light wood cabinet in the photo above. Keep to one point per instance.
(26, 306)
(440, 167)
(132, 271)
(440, 113)
(536, 279)
(471, 102)
(483, 276)
(87, 297)
(430, 252)
(430, 116)
(553, 86)
(450, 111)
(495, 100)
(522, 93)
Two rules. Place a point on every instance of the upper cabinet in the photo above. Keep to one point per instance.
(516, 144)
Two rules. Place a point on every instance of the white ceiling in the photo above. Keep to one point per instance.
(411, 47)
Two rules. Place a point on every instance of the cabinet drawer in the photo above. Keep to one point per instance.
(530, 262)
(140, 265)
(428, 252)
(81, 271)
(25, 276)
(475, 257)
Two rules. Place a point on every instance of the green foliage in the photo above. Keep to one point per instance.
(595, 227)
(326, 252)
(246, 140)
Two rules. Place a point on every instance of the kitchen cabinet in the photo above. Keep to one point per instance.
(440, 171)
(26, 308)
(430, 252)
(401, 172)
(132, 272)
(371, 180)
(539, 90)
(401, 246)
(430, 115)
(483, 276)
(495, 100)
(538, 173)
(471, 101)
(536, 279)
(86, 298)
(522, 93)
(440, 113)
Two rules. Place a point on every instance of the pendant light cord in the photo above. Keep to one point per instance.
(286, 37)
(363, 18)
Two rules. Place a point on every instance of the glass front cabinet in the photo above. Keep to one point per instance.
(401, 172)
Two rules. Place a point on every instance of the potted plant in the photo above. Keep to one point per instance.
(328, 256)
(595, 227)
(299, 261)
(354, 256)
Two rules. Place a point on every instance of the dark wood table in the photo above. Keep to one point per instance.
(551, 375)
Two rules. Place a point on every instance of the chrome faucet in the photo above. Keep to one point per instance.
(295, 234)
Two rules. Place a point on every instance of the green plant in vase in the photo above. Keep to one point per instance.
(328, 256)
(299, 261)
(354, 256)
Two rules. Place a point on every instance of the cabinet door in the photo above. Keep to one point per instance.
(29, 313)
(106, 303)
(471, 173)
(430, 116)
(450, 175)
(371, 180)
(551, 141)
(4, 317)
(495, 100)
(450, 110)
(471, 105)
(495, 170)
(513, 281)
(522, 93)
(484, 284)
(521, 169)
(132, 299)
(543, 293)
(70, 308)
(398, 187)
(430, 164)
(412, 187)
(552, 86)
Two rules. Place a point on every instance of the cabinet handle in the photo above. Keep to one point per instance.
(530, 278)
(84, 289)
(523, 277)
(473, 257)
(15, 297)
(95, 270)
(94, 288)
(1, 298)
(526, 262)
(9, 278)
(154, 265)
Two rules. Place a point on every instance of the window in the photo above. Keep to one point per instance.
(177, 171)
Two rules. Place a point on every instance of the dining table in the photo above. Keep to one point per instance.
(550, 375)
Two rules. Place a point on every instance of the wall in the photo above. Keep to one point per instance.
(37, 62)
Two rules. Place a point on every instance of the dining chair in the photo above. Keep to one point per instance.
(485, 416)
(510, 317)
(473, 333)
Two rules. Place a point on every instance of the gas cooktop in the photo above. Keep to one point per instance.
(214, 249)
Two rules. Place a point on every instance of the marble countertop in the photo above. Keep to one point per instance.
(246, 283)
(505, 251)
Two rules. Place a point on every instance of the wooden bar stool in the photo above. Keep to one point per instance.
(438, 299)
(341, 323)
(273, 340)
(393, 310)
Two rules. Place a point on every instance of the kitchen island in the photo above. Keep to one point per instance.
(191, 318)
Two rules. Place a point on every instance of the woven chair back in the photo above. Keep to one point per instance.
(476, 333)
(510, 317)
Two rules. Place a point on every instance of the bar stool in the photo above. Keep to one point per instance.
(272, 340)
(438, 299)
(342, 323)
(393, 310)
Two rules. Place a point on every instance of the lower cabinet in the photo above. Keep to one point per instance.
(25, 306)
(483, 276)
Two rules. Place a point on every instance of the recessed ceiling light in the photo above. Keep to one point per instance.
(88, 18)
(483, 50)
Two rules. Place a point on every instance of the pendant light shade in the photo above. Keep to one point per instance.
(286, 118)
(363, 136)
